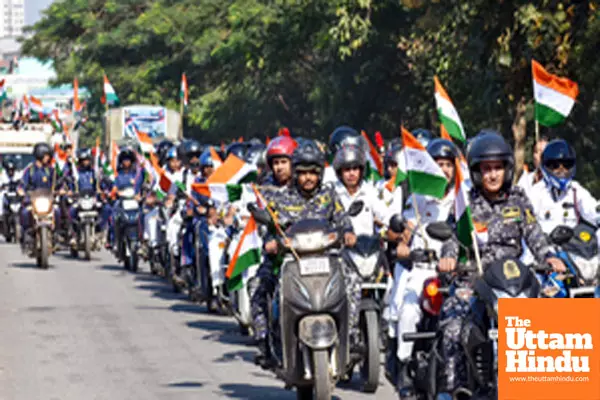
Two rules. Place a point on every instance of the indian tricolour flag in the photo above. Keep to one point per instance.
(462, 211)
(216, 159)
(110, 96)
(374, 163)
(246, 256)
(164, 183)
(3, 95)
(183, 91)
(447, 113)
(424, 175)
(60, 159)
(220, 192)
(145, 142)
(233, 170)
(37, 106)
(554, 96)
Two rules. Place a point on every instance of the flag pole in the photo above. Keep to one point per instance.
(418, 215)
(106, 130)
(181, 111)
(537, 131)
(476, 251)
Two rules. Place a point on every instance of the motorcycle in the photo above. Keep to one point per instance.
(578, 249)
(86, 221)
(127, 229)
(42, 207)
(309, 312)
(12, 209)
(368, 259)
(155, 239)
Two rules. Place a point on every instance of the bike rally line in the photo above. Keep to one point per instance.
(90, 330)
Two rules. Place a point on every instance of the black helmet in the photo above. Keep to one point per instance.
(256, 154)
(343, 135)
(192, 149)
(442, 148)
(308, 156)
(126, 153)
(237, 149)
(9, 164)
(558, 152)
(349, 156)
(392, 155)
(490, 146)
(424, 136)
(162, 148)
(84, 154)
(40, 150)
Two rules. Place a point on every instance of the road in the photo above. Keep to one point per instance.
(89, 330)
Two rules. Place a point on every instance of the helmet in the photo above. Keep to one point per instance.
(393, 155)
(8, 164)
(255, 141)
(349, 156)
(206, 159)
(162, 148)
(191, 149)
(442, 148)
(281, 146)
(84, 154)
(308, 156)
(255, 154)
(170, 153)
(126, 153)
(558, 152)
(424, 136)
(237, 149)
(343, 135)
(40, 150)
(488, 146)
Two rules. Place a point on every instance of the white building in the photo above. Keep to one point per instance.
(12, 18)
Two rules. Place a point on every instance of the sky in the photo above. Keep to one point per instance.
(33, 9)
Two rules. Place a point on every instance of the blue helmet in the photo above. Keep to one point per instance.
(206, 159)
(424, 136)
(171, 153)
(558, 152)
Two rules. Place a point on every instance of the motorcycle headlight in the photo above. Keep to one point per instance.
(366, 266)
(587, 267)
(314, 241)
(86, 204)
(42, 205)
(127, 193)
(15, 207)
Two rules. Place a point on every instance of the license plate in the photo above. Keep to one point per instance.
(493, 334)
(314, 266)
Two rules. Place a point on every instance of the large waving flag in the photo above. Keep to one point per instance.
(216, 159)
(374, 163)
(554, 96)
(424, 175)
(233, 170)
(247, 255)
(36, 106)
(110, 96)
(462, 211)
(220, 192)
(447, 113)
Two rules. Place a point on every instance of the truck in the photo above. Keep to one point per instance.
(18, 144)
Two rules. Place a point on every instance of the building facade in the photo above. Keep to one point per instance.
(12, 18)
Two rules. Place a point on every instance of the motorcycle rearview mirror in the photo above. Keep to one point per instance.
(439, 231)
(260, 215)
(561, 235)
(355, 208)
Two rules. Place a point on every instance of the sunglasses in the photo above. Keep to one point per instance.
(566, 164)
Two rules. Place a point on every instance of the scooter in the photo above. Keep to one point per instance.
(127, 233)
(368, 259)
(309, 333)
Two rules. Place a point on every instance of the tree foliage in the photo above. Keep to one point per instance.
(254, 65)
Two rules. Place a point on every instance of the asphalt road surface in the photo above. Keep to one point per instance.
(90, 330)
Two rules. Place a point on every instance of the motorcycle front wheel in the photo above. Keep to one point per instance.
(322, 378)
(369, 369)
(87, 241)
(42, 251)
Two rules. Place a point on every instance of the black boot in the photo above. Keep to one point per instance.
(391, 361)
(404, 382)
(264, 358)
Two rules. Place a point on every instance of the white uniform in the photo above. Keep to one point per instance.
(575, 203)
(374, 208)
(329, 175)
(409, 284)
(393, 200)
(174, 223)
(5, 180)
(526, 182)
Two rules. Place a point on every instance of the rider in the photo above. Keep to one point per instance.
(306, 197)
(38, 175)
(503, 216)
(558, 199)
(529, 179)
(394, 198)
(410, 276)
(350, 164)
(340, 136)
(9, 180)
(128, 175)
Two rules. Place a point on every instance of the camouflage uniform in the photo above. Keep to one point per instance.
(501, 226)
(289, 205)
